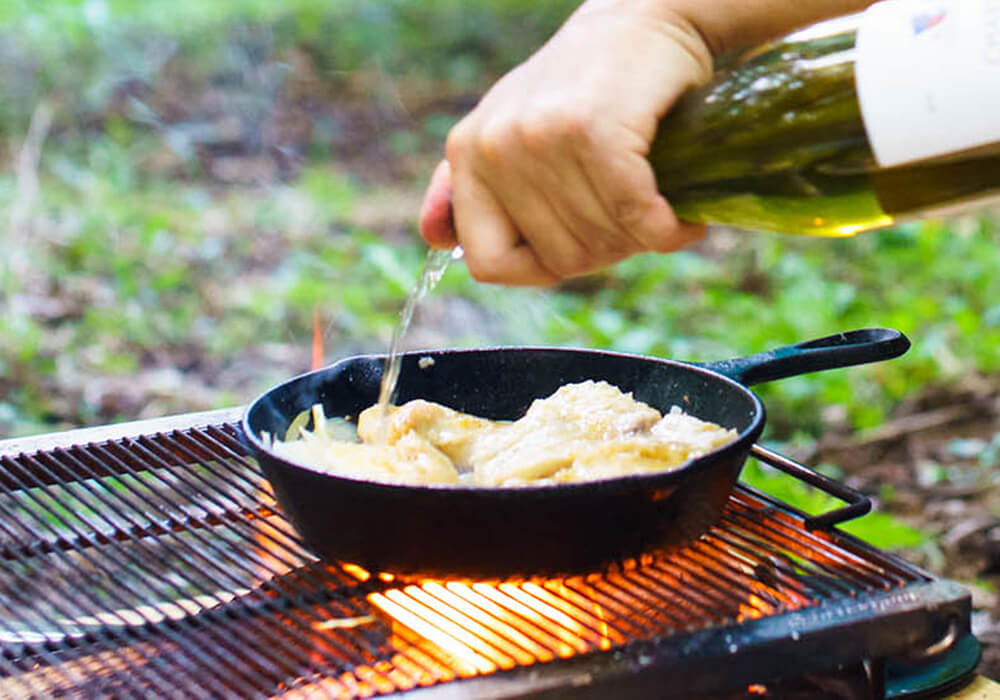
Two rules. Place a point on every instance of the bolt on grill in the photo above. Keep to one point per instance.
(158, 564)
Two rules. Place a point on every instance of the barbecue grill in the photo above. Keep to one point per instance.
(150, 559)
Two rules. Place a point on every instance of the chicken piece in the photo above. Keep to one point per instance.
(520, 454)
(680, 428)
(556, 430)
(582, 432)
(642, 455)
(593, 410)
(450, 431)
(411, 460)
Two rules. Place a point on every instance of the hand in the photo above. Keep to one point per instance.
(547, 177)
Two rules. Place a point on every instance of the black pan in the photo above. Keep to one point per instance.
(490, 532)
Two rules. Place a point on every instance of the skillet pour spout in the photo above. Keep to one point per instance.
(476, 532)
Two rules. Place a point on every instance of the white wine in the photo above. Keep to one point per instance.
(844, 127)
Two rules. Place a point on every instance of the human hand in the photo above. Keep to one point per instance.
(547, 177)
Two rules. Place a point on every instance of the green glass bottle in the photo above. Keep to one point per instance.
(780, 140)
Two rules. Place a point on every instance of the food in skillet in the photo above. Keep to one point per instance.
(582, 432)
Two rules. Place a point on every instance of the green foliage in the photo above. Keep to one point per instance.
(142, 255)
(80, 52)
(932, 281)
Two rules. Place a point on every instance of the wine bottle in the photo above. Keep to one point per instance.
(846, 126)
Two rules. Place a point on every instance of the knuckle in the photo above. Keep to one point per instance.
(544, 128)
(536, 132)
(611, 245)
(494, 141)
(579, 126)
(629, 212)
(458, 140)
(568, 263)
(482, 270)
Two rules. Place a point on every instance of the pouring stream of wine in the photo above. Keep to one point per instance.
(435, 265)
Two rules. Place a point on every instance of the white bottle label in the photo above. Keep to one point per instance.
(928, 77)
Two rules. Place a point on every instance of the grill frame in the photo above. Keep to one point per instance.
(910, 616)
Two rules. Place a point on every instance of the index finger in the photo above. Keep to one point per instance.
(494, 249)
(437, 224)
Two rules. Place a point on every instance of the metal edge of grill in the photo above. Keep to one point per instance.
(117, 431)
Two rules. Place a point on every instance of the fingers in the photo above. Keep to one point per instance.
(538, 204)
(494, 251)
(568, 227)
(436, 224)
(548, 174)
(626, 187)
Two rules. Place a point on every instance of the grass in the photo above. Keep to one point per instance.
(185, 226)
(169, 265)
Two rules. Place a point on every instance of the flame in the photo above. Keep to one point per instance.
(436, 631)
(605, 642)
(356, 571)
(475, 628)
(527, 636)
(592, 627)
(442, 630)
(317, 341)
(343, 622)
(479, 628)
(463, 647)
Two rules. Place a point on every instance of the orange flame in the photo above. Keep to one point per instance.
(317, 342)
(356, 571)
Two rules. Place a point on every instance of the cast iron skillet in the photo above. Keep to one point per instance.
(490, 532)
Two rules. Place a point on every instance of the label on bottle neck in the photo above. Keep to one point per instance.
(928, 77)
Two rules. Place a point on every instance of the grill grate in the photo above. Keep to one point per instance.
(158, 564)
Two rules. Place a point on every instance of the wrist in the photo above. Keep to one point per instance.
(659, 15)
(731, 25)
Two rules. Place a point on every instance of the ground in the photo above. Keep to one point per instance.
(938, 457)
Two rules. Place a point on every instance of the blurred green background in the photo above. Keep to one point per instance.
(186, 184)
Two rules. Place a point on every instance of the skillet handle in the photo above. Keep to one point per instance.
(858, 504)
(840, 350)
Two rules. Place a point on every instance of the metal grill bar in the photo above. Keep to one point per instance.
(158, 563)
(129, 595)
(218, 577)
(261, 641)
(64, 608)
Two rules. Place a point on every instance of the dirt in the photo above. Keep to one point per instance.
(940, 454)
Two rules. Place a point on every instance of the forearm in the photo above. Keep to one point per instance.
(728, 25)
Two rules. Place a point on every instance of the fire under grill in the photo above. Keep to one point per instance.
(153, 561)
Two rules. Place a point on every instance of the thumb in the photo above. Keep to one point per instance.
(436, 222)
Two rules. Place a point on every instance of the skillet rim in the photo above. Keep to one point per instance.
(690, 466)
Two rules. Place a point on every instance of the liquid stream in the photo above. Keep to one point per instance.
(435, 265)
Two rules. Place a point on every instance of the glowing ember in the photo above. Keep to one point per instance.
(343, 623)
(476, 628)
(356, 571)
(440, 630)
